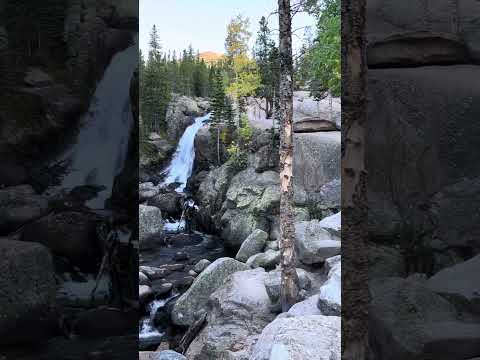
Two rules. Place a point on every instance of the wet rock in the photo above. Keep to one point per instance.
(233, 326)
(27, 283)
(169, 203)
(314, 243)
(145, 294)
(163, 289)
(105, 322)
(196, 297)
(20, 205)
(70, 234)
(192, 273)
(252, 245)
(201, 265)
(330, 296)
(143, 279)
(180, 256)
(267, 260)
(154, 273)
(314, 337)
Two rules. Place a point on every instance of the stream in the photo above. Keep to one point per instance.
(180, 252)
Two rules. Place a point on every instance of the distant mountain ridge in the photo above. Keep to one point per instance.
(211, 56)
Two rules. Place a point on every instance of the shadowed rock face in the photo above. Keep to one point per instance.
(27, 298)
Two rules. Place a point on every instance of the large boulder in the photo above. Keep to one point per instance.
(313, 337)
(168, 203)
(306, 307)
(427, 154)
(150, 225)
(267, 260)
(309, 125)
(459, 283)
(315, 244)
(451, 18)
(194, 301)
(238, 312)
(70, 234)
(409, 321)
(27, 284)
(316, 162)
(211, 195)
(333, 223)
(250, 197)
(252, 245)
(20, 205)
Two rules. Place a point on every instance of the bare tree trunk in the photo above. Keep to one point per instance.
(355, 295)
(218, 144)
(289, 289)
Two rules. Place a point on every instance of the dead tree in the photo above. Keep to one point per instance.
(355, 296)
(289, 288)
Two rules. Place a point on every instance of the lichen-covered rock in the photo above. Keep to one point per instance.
(239, 310)
(267, 260)
(27, 293)
(194, 301)
(252, 245)
(313, 337)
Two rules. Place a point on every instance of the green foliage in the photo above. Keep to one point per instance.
(267, 59)
(237, 158)
(245, 131)
(163, 74)
(321, 66)
(238, 35)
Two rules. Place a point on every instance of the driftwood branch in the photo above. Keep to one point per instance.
(192, 333)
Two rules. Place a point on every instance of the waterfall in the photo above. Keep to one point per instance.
(181, 165)
(102, 143)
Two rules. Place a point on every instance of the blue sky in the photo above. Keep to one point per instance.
(203, 23)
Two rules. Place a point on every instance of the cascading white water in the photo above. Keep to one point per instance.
(181, 165)
(102, 143)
